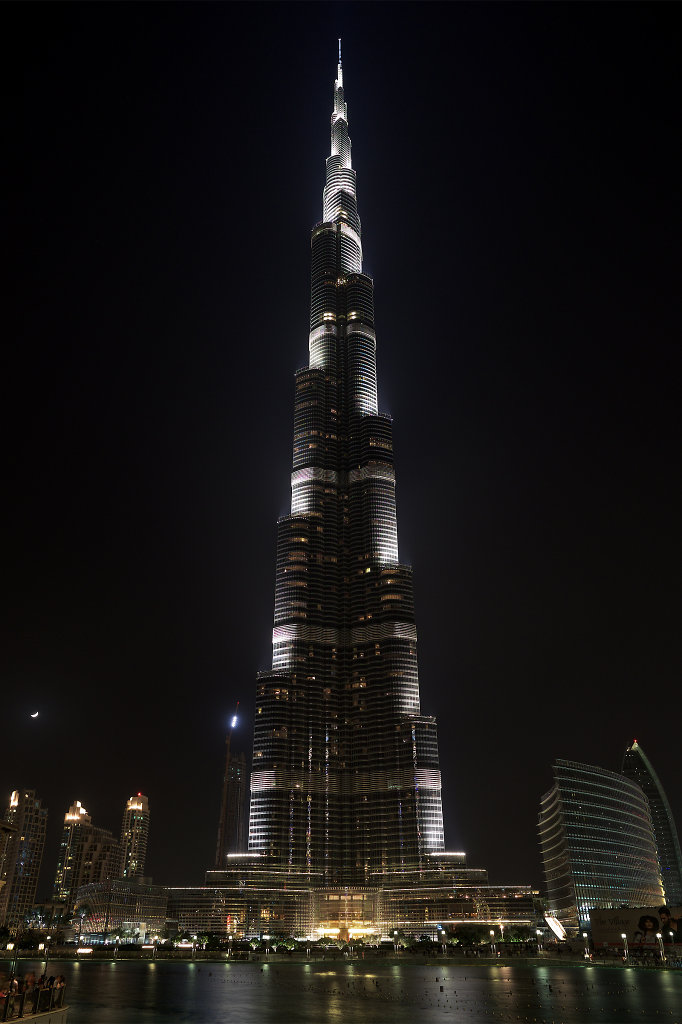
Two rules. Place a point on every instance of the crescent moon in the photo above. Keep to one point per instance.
(35, 714)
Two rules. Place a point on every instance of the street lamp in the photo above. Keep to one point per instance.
(587, 946)
(538, 934)
(660, 945)
(492, 942)
(395, 940)
(229, 945)
(625, 944)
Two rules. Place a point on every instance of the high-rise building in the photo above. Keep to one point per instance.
(87, 854)
(636, 766)
(25, 841)
(232, 821)
(346, 824)
(346, 784)
(134, 836)
(75, 816)
(597, 844)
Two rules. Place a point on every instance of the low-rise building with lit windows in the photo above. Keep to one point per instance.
(122, 907)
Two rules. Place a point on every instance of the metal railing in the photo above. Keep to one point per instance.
(24, 1005)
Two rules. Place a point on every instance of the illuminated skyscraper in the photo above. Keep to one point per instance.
(23, 855)
(596, 843)
(87, 854)
(636, 766)
(346, 782)
(134, 836)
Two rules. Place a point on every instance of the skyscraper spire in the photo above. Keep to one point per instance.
(346, 780)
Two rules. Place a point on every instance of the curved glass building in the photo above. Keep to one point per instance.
(636, 766)
(597, 844)
(346, 782)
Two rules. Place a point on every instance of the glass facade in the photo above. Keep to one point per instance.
(257, 901)
(636, 766)
(254, 908)
(346, 779)
(126, 906)
(596, 843)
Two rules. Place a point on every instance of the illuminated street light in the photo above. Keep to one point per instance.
(625, 944)
(587, 946)
(660, 946)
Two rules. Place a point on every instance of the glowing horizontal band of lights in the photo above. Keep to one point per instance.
(329, 330)
(314, 474)
(324, 331)
(342, 783)
(427, 779)
(374, 471)
(309, 473)
(356, 328)
(342, 637)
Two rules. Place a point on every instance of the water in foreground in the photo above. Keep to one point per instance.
(387, 992)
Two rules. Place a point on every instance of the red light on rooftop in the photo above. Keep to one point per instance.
(139, 794)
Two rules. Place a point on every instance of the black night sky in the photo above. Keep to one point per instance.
(518, 179)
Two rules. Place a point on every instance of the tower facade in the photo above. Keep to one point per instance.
(26, 819)
(87, 854)
(345, 784)
(134, 836)
(596, 843)
(638, 768)
(232, 821)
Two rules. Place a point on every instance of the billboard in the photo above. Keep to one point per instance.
(639, 924)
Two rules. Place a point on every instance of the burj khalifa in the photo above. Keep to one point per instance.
(345, 787)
